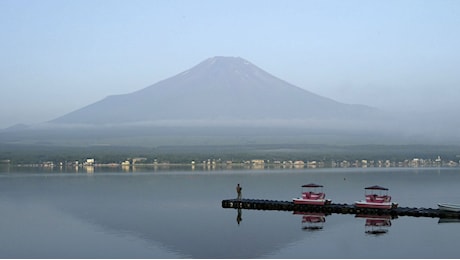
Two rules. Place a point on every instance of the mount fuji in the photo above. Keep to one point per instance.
(222, 100)
(219, 89)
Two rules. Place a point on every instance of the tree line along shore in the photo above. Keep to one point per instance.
(252, 156)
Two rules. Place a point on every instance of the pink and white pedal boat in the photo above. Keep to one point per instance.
(312, 194)
(376, 198)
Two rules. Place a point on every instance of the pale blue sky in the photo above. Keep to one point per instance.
(58, 56)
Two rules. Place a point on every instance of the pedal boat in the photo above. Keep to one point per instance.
(376, 198)
(312, 194)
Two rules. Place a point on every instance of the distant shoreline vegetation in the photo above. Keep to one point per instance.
(227, 156)
(261, 164)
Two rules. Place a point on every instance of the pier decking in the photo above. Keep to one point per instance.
(335, 208)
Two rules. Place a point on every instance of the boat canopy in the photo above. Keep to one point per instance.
(376, 187)
(312, 185)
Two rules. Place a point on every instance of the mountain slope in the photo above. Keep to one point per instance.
(219, 88)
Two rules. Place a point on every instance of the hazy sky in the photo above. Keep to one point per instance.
(58, 56)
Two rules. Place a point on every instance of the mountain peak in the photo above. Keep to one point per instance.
(225, 59)
(228, 62)
(223, 64)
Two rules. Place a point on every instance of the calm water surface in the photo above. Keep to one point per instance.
(178, 214)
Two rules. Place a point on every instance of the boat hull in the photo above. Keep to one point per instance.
(374, 205)
(310, 202)
(449, 207)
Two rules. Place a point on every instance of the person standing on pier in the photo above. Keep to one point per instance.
(238, 191)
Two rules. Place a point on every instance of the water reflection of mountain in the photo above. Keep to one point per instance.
(190, 225)
(192, 234)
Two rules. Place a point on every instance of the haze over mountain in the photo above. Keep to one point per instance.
(217, 89)
(229, 101)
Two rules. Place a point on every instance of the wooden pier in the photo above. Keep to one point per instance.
(336, 208)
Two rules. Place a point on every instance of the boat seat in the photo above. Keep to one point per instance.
(316, 196)
(379, 199)
(371, 198)
(313, 195)
(384, 198)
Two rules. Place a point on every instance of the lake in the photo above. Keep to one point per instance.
(177, 213)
